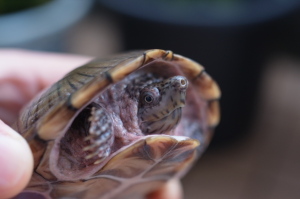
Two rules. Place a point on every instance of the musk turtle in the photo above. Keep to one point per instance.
(119, 127)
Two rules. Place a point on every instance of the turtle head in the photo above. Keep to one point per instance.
(160, 105)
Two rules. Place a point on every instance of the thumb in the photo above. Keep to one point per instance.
(16, 162)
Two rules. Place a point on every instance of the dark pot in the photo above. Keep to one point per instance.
(229, 40)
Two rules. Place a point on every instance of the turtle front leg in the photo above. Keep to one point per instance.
(100, 135)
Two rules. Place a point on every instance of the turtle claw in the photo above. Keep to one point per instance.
(98, 161)
(106, 153)
(101, 135)
(88, 148)
(91, 155)
(90, 137)
(101, 153)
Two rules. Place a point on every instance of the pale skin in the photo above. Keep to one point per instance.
(23, 74)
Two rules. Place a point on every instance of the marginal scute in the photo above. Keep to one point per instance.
(157, 147)
(55, 122)
(174, 161)
(158, 54)
(208, 88)
(140, 188)
(85, 94)
(190, 68)
(213, 113)
(84, 189)
(169, 55)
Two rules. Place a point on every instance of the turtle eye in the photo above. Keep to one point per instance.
(148, 98)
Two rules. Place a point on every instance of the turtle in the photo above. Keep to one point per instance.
(119, 127)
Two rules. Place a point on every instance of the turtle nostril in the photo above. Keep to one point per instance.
(179, 82)
(182, 83)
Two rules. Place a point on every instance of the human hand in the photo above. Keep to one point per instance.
(23, 74)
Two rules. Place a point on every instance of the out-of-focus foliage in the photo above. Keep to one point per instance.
(8, 6)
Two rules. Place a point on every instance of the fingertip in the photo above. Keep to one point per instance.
(16, 162)
(172, 189)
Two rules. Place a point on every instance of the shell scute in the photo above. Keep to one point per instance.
(213, 113)
(145, 155)
(84, 189)
(207, 87)
(178, 157)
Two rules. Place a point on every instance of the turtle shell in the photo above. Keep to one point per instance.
(134, 169)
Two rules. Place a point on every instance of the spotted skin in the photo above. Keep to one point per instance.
(100, 135)
(163, 113)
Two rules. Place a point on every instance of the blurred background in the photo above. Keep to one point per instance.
(250, 47)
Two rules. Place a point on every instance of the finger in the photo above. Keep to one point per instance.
(16, 162)
(172, 190)
(24, 73)
(44, 67)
